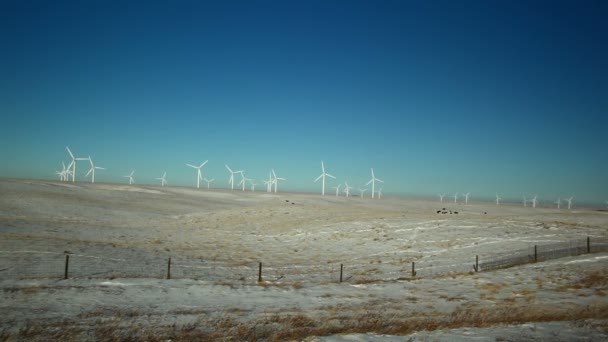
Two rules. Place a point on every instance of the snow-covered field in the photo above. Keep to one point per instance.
(119, 239)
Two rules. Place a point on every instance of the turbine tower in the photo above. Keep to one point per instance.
(163, 179)
(559, 202)
(73, 164)
(337, 189)
(498, 198)
(534, 201)
(269, 183)
(380, 193)
(569, 200)
(322, 177)
(347, 189)
(466, 198)
(130, 176)
(361, 192)
(92, 170)
(253, 184)
(275, 180)
(373, 182)
(199, 174)
(441, 196)
(208, 181)
(243, 179)
(231, 180)
(455, 197)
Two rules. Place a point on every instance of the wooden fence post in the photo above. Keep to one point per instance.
(341, 271)
(67, 262)
(476, 266)
(413, 269)
(260, 274)
(535, 254)
(169, 268)
(588, 244)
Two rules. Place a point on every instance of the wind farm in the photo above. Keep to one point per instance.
(367, 171)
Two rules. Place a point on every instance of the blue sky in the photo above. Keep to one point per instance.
(506, 97)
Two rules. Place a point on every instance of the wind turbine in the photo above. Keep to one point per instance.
(498, 198)
(373, 182)
(347, 189)
(73, 164)
(559, 202)
(63, 174)
(268, 183)
(380, 193)
(322, 176)
(243, 179)
(569, 200)
(361, 192)
(208, 181)
(534, 201)
(199, 174)
(252, 184)
(275, 180)
(163, 179)
(130, 176)
(466, 198)
(231, 180)
(441, 196)
(92, 170)
(337, 189)
(455, 197)
(525, 202)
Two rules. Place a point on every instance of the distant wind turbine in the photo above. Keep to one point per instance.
(525, 202)
(243, 179)
(455, 197)
(441, 196)
(559, 202)
(275, 180)
(92, 170)
(337, 189)
(73, 163)
(373, 182)
(163, 179)
(466, 198)
(498, 198)
(269, 183)
(380, 193)
(534, 201)
(347, 189)
(322, 177)
(231, 180)
(130, 176)
(361, 192)
(208, 181)
(199, 173)
(252, 184)
(569, 200)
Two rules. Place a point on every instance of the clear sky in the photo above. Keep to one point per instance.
(507, 97)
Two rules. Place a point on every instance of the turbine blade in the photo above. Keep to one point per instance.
(318, 178)
(229, 169)
(70, 152)
(192, 166)
(378, 180)
(203, 164)
(328, 175)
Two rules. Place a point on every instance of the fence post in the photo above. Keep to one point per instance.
(260, 274)
(535, 254)
(588, 244)
(341, 270)
(169, 268)
(67, 262)
(476, 267)
(413, 269)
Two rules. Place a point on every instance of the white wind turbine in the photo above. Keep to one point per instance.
(269, 183)
(199, 174)
(92, 170)
(373, 182)
(569, 200)
(534, 201)
(525, 202)
(275, 180)
(361, 192)
(380, 193)
(243, 179)
(466, 198)
(559, 202)
(208, 181)
(231, 180)
(498, 198)
(347, 189)
(337, 189)
(163, 179)
(322, 177)
(130, 176)
(441, 196)
(253, 184)
(455, 197)
(63, 174)
(73, 163)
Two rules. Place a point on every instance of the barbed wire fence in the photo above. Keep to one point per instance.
(37, 264)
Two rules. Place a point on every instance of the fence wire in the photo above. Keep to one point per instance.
(36, 264)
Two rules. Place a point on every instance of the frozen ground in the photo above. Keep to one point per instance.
(119, 238)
